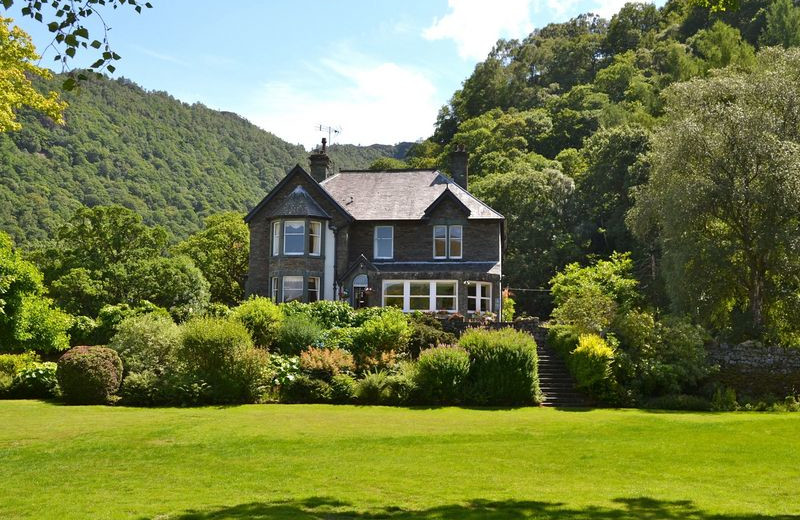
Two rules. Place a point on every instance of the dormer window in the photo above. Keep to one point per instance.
(294, 237)
(314, 238)
(447, 242)
(384, 242)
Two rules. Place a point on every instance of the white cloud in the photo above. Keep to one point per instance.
(608, 8)
(373, 102)
(476, 25)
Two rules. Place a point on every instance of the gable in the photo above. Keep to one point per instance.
(311, 197)
(447, 205)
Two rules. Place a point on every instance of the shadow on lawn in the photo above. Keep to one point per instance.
(331, 509)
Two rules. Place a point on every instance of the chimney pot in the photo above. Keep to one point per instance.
(320, 163)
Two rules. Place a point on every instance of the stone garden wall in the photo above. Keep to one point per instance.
(756, 369)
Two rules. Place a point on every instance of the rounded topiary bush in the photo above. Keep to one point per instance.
(89, 375)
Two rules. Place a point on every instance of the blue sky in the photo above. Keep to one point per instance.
(379, 70)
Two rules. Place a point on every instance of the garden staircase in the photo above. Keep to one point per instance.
(555, 380)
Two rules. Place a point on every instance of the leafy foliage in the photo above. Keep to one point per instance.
(298, 332)
(441, 374)
(323, 363)
(89, 375)
(148, 342)
(262, 318)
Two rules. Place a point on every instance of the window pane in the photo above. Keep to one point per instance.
(360, 281)
(393, 301)
(445, 304)
(471, 303)
(420, 288)
(455, 248)
(383, 232)
(276, 237)
(455, 231)
(439, 231)
(445, 289)
(292, 288)
(293, 244)
(384, 249)
(472, 288)
(439, 248)
(275, 289)
(394, 289)
(314, 238)
(419, 304)
(313, 289)
(294, 227)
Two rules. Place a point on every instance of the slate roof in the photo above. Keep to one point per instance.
(398, 195)
(299, 204)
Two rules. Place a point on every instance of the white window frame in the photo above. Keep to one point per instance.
(276, 238)
(432, 295)
(287, 223)
(480, 298)
(446, 242)
(308, 288)
(450, 242)
(311, 225)
(292, 279)
(275, 289)
(375, 243)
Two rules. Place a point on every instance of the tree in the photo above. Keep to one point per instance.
(16, 90)
(66, 19)
(721, 46)
(388, 163)
(175, 284)
(221, 251)
(783, 24)
(630, 25)
(28, 319)
(724, 196)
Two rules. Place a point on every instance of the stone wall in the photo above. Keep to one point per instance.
(756, 369)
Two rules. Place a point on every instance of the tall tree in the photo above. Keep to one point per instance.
(783, 24)
(724, 196)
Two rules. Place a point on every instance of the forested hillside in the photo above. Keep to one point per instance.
(171, 162)
(560, 127)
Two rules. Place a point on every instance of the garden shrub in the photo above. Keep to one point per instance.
(143, 389)
(111, 316)
(89, 375)
(331, 314)
(692, 403)
(306, 389)
(365, 314)
(323, 363)
(503, 367)
(283, 368)
(343, 389)
(508, 308)
(35, 381)
(220, 353)
(588, 310)
(342, 337)
(11, 364)
(441, 374)
(426, 332)
(590, 365)
(374, 388)
(381, 335)
(262, 318)
(297, 333)
(724, 400)
(563, 339)
(147, 343)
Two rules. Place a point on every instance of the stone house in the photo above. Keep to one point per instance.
(415, 239)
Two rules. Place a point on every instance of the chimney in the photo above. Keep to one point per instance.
(458, 165)
(320, 162)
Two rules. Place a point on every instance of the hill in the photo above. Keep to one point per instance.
(172, 162)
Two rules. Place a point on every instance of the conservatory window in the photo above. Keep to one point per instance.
(479, 297)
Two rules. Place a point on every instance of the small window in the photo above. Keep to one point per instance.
(276, 238)
(455, 242)
(275, 289)
(292, 288)
(384, 242)
(440, 241)
(294, 237)
(313, 289)
(314, 238)
(479, 297)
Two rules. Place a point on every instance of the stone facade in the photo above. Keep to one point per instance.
(757, 369)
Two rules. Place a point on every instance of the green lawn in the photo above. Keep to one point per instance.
(280, 461)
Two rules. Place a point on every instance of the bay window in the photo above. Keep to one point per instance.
(294, 237)
(313, 289)
(479, 297)
(276, 238)
(314, 238)
(292, 288)
(384, 242)
(275, 289)
(419, 295)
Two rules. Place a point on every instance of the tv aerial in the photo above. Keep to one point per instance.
(333, 131)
